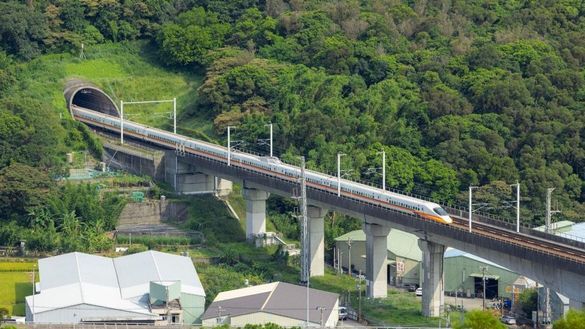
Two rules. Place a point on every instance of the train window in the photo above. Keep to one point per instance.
(440, 211)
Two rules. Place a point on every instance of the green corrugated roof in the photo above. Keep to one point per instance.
(561, 226)
(400, 243)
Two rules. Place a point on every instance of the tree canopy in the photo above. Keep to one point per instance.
(456, 93)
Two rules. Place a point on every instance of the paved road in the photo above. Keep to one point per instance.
(468, 303)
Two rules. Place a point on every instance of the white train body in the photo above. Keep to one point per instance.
(270, 166)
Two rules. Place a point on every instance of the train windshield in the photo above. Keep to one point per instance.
(440, 211)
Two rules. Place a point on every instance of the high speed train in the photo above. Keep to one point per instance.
(266, 165)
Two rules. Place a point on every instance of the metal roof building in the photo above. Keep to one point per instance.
(278, 302)
(464, 272)
(143, 287)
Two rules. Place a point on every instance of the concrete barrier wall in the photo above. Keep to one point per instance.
(152, 212)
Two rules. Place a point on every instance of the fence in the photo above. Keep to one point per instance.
(178, 326)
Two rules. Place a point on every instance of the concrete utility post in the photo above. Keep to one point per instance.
(548, 229)
(483, 270)
(349, 256)
(34, 293)
(339, 155)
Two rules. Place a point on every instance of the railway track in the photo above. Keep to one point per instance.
(494, 232)
(535, 243)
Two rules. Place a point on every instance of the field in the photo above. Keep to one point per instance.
(15, 284)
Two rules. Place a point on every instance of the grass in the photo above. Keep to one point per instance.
(399, 308)
(15, 285)
(125, 71)
(12, 266)
(211, 216)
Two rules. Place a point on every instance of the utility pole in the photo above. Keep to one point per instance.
(339, 173)
(349, 256)
(383, 169)
(548, 229)
(483, 270)
(359, 287)
(305, 265)
(34, 292)
(335, 260)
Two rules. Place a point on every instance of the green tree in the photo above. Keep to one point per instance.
(573, 320)
(478, 319)
(188, 41)
(21, 188)
(528, 301)
(22, 29)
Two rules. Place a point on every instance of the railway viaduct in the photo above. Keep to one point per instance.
(556, 262)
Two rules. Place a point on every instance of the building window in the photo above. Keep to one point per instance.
(175, 318)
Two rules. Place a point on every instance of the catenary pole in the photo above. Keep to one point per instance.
(229, 147)
(517, 185)
(121, 122)
(175, 115)
(339, 173)
(271, 140)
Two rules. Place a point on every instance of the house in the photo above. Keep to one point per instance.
(148, 287)
(281, 303)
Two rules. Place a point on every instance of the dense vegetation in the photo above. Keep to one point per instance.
(456, 93)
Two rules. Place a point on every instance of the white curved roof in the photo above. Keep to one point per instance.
(120, 283)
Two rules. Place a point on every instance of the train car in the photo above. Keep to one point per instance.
(267, 165)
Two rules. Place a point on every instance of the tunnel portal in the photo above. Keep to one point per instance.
(87, 95)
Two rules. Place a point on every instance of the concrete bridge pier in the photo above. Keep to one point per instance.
(376, 260)
(316, 221)
(185, 178)
(432, 273)
(255, 212)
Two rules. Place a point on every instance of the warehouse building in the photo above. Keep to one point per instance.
(464, 274)
(148, 287)
(281, 303)
(404, 255)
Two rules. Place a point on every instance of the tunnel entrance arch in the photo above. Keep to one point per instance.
(87, 95)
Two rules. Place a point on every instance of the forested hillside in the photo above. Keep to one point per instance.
(457, 93)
